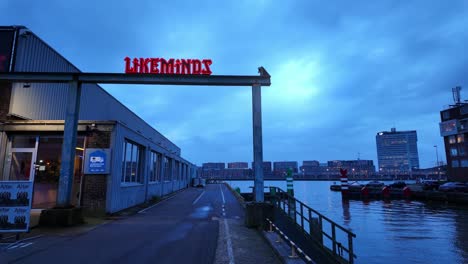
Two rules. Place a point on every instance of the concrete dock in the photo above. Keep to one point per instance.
(194, 226)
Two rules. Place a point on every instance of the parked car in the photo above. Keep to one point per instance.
(398, 185)
(454, 187)
(431, 185)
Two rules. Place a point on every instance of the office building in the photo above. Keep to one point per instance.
(397, 151)
(454, 130)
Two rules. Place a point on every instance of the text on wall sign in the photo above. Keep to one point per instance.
(170, 66)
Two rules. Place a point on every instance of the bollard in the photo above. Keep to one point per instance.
(293, 252)
(271, 227)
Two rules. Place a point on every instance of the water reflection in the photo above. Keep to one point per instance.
(346, 213)
(396, 231)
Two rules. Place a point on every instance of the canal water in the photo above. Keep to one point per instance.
(389, 232)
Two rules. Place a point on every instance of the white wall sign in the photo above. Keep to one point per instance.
(97, 161)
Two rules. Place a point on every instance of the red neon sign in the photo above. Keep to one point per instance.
(170, 66)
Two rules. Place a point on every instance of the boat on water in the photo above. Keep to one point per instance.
(375, 184)
(351, 186)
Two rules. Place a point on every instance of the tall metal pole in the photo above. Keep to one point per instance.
(437, 157)
(69, 144)
(257, 142)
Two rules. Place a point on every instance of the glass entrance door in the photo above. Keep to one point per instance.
(21, 157)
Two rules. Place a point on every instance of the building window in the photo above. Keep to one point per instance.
(452, 140)
(445, 115)
(460, 138)
(464, 163)
(461, 150)
(455, 163)
(131, 162)
(167, 168)
(176, 171)
(453, 152)
(155, 167)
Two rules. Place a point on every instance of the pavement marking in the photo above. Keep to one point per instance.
(147, 208)
(198, 198)
(20, 242)
(222, 194)
(13, 247)
(229, 242)
(26, 244)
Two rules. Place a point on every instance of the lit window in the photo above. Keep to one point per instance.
(131, 165)
(452, 140)
(455, 164)
(460, 138)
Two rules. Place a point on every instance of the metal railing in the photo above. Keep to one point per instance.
(302, 214)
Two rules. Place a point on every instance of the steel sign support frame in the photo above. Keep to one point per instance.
(73, 108)
(257, 142)
(68, 145)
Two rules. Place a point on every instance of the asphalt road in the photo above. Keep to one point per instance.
(182, 229)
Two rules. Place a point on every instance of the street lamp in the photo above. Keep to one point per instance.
(437, 158)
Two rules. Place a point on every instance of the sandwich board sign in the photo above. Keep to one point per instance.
(15, 206)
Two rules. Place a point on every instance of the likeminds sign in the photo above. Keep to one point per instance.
(170, 66)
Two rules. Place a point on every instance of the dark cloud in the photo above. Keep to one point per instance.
(341, 71)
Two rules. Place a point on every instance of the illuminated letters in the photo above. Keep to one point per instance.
(170, 66)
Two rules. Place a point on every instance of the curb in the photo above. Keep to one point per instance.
(239, 197)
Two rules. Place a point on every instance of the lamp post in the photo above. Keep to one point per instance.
(437, 158)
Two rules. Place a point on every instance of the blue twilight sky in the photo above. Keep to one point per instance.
(341, 70)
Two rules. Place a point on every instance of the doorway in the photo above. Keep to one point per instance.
(37, 158)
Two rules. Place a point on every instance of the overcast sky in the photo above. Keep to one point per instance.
(341, 70)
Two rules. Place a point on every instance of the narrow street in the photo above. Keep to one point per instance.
(182, 229)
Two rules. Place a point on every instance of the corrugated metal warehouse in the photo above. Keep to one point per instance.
(143, 163)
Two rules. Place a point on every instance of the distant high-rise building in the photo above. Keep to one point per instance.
(238, 165)
(397, 151)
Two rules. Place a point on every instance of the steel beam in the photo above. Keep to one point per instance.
(68, 145)
(257, 142)
(121, 78)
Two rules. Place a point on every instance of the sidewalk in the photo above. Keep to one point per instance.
(248, 245)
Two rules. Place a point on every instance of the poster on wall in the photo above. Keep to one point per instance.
(97, 161)
(15, 205)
